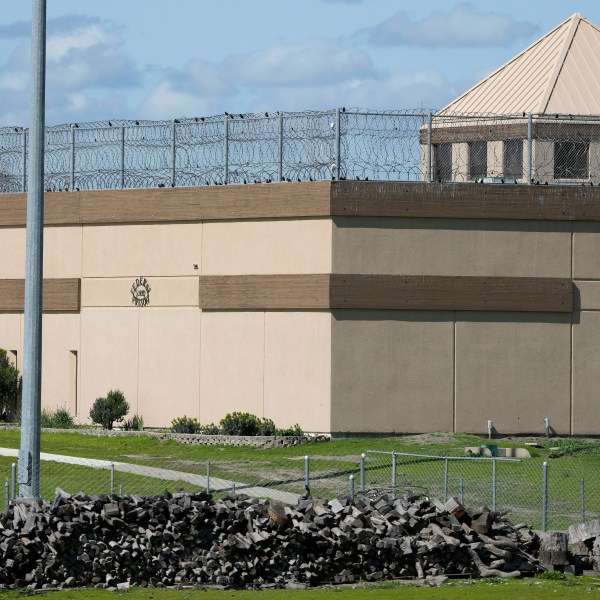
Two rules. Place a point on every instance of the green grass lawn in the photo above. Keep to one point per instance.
(518, 485)
(527, 589)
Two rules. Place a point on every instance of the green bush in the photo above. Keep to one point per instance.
(186, 424)
(210, 429)
(294, 430)
(267, 427)
(237, 423)
(106, 411)
(60, 418)
(136, 423)
(10, 388)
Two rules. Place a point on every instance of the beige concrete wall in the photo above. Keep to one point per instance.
(452, 247)
(60, 337)
(543, 160)
(11, 336)
(586, 250)
(514, 369)
(586, 374)
(164, 249)
(298, 369)
(392, 371)
(169, 364)
(12, 252)
(267, 247)
(495, 159)
(460, 162)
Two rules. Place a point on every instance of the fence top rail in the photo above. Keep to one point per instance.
(438, 457)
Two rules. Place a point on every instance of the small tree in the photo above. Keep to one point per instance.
(109, 410)
(10, 387)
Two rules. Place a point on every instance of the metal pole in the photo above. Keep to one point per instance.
(112, 478)
(394, 475)
(280, 153)
(24, 160)
(493, 483)
(429, 135)
(29, 453)
(13, 481)
(338, 137)
(72, 159)
(121, 490)
(362, 473)
(233, 488)
(351, 484)
(544, 496)
(122, 156)
(306, 472)
(173, 153)
(208, 477)
(529, 148)
(446, 462)
(583, 501)
(547, 426)
(226, 150)
(490, 427)
(6, 495)
(461, 490)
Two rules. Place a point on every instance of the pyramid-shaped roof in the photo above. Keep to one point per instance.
(560, 73)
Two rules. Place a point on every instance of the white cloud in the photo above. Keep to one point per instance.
(463, 26)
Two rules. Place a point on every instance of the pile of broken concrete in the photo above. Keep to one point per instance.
(193, 539)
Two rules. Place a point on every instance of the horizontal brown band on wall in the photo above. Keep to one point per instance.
(59, 295)
(386, 292)
(311, 199)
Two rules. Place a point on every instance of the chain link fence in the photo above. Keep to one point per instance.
(545, 495)
(410, 145)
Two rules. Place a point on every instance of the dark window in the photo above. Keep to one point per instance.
(477, 160)
(571, 160)
(443, 162)
(513, 159)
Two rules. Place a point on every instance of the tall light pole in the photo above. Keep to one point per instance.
(29, 454)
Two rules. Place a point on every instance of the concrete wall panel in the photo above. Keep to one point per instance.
(513, 369)
(12, 252)
(586, 250)
(451, 247)
(11, 336)
(168, 249)
(62, 251)
(231, 364)
(391, 371)
(586, 374)
(298, 369)
(265, 247)
(109, 348)
(169, 364)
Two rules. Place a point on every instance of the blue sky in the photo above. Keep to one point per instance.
(157, 59)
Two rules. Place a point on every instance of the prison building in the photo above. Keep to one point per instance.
(550, 102)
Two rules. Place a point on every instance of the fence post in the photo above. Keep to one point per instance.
(13, 479)
(24, 159)
(583, 501)
(493, 483)
(362, 473)
(351, 484)
(394, 475)
(529, 148)
(446, 461)
(173, 153)
(121, 490)
(226, 149)
(280, 152)
(544, 496)
(112, 478)
(306, 472)
(338, 137)
(429, 146)
(6, 495)
(208, 477)
(122, 156)
(72, 159)
(461, 490)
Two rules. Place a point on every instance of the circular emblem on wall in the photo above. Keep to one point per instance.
(140, 292)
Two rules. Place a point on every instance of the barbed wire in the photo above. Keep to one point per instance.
(403, 145)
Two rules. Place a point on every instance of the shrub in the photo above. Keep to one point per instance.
(210, 429)
(186, 424)
(294, 430)
(136, 423)
(109, 410)
(10, 388)
(60, 418)
(267, 427)
(237, 423)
